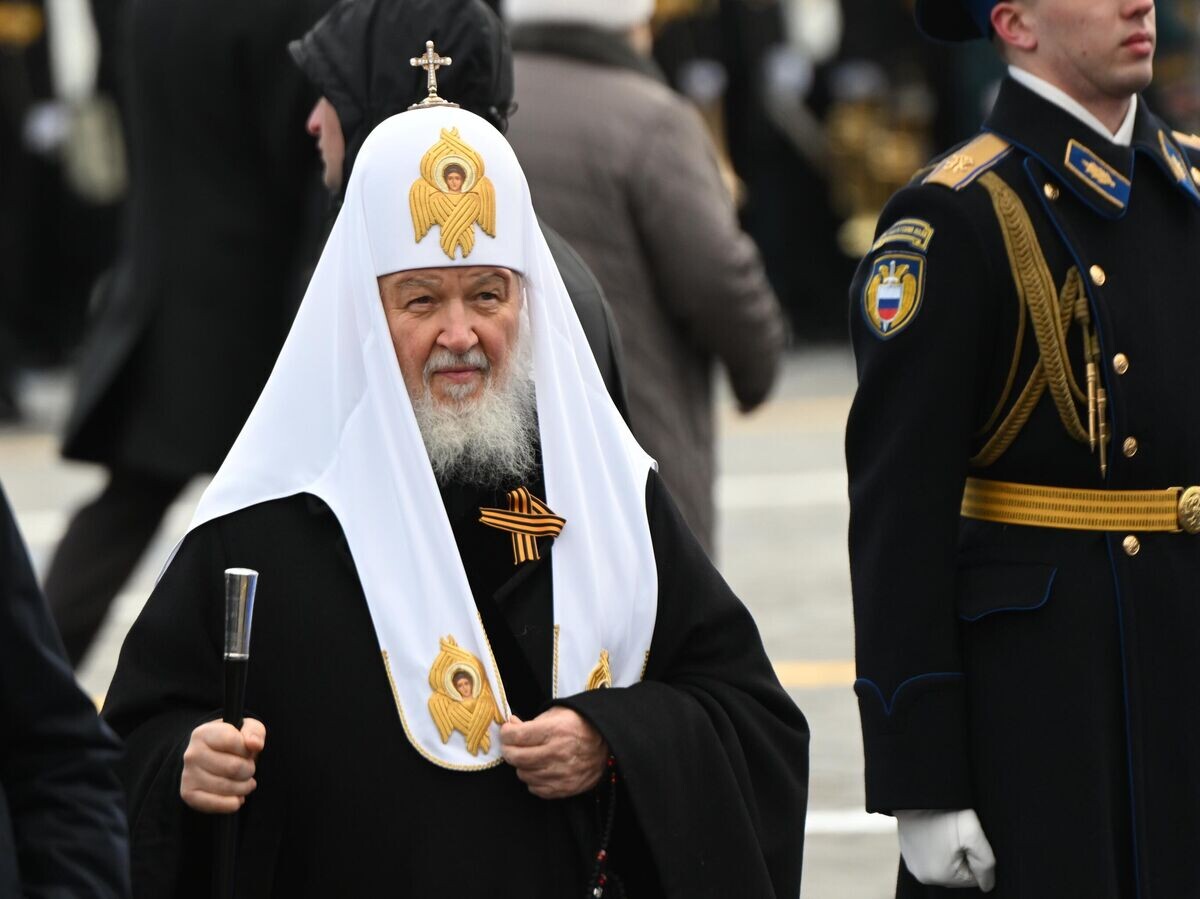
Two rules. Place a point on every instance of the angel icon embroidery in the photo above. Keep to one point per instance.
(462, 699)
(453, 194)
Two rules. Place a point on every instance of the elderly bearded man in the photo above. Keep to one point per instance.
(489, 658)
(1023, 539)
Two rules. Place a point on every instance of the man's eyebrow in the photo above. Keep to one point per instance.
(419, 282)
(489, 276)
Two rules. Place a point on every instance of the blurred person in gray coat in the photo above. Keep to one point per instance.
(623, 168)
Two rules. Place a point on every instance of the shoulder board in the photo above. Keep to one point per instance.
(969, 161)
(919, 175)
(1191, 141)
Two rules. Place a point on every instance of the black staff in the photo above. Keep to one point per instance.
(239, 611)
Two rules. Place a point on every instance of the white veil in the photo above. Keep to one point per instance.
(335, 420)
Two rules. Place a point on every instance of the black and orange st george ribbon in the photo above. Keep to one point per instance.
(526, 518)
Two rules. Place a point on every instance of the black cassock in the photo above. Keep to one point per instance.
(712, 753)
(62, 828)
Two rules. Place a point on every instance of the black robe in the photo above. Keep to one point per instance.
(711, 751)
(62, 824)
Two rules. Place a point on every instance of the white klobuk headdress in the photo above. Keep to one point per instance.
(335, 420)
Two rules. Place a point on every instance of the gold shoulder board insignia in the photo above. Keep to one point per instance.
(969, 161)
(1191, 141)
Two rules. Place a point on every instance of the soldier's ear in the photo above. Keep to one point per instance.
(1015, 28)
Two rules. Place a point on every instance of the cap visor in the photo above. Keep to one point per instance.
(946, 21)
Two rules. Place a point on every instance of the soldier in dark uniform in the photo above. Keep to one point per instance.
(1021, 452)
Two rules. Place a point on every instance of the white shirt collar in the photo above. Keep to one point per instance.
(1063, 100)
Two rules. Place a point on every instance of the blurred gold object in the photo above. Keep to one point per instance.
(669, 10)
(20, 24)
(877, 141)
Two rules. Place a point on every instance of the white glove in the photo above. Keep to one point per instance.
(946, 848)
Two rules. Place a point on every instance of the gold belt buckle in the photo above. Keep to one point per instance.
(1189, 510)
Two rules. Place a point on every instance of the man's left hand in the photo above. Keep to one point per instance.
(557, 755)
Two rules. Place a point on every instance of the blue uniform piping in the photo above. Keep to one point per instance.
(888, 707)
(1045, 599)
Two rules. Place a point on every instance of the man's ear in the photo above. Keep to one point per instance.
(1015, 27)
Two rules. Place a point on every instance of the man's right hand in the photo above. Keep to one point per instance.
(946, 848)
(218, 766)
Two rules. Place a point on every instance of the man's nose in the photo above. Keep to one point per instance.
(1137, 8)
(313, 125)
(458, 331)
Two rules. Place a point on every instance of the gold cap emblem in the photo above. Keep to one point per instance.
(453, 193)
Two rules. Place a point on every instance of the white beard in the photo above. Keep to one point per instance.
(485, 435)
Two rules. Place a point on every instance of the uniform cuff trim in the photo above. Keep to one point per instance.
(889, 706)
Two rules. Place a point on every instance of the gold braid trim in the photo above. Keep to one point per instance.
(1014, 422)
(1009, 383)
(1050, 317)
(1035, 285)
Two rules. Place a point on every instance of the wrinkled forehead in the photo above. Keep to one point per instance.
(416, 219)
(453, 278)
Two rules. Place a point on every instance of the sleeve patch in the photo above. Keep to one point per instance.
(892, 293)
(917, 233)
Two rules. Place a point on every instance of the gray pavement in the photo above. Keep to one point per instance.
(782, 547)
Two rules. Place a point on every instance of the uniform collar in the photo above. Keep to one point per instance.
(1122, 137)
(1097, 170)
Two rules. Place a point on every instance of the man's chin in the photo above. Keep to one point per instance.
(458, 401)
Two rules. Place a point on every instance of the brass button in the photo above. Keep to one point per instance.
(1120, 363)
(1189, 510)
(1098, 276)
(1130, 447)
(1132, 545)
(1050, 191)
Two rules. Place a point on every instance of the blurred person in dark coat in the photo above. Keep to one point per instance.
(733, 58)
(355, 57)
(192, 317)
(624, 169)
(62, 817)
(22, 30)
(58, 210)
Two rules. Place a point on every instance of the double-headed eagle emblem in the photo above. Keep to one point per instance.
(462, 699)
(454, 194)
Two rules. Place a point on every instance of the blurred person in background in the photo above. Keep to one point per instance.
(22, 29)
(354, 56)
(61, 178)
(624, 168)
(191, 319)
(757, 69)
(62, 815)
(1024, 477)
